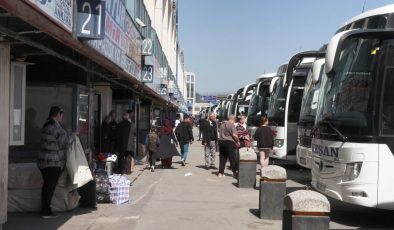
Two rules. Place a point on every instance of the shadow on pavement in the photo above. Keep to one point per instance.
(225, 174)
(255, 212)
(202, 167)
(363, 217)
(33, 221)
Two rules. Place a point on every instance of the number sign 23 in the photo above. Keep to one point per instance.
(147, 74)
(90, 19)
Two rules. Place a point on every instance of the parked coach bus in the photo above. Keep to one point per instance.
(308, 113)
(353, 144)
(258, 105)
(285, 103)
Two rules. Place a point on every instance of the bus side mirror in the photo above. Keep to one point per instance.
(317, 69)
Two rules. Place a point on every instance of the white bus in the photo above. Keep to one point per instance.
(308, 113)
(285, 103)
(242, 104)
(258, 105)
(353, 144)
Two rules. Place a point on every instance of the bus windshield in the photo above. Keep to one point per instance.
(276, 112)
(309, 102)
(258, 105)
(348, 101)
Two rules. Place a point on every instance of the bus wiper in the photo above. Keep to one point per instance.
(339, 134)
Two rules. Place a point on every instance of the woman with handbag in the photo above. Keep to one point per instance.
(265, 141)
(228, 138)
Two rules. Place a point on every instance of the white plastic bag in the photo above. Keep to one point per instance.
(77, 165)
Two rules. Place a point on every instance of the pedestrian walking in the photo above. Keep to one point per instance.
(168, 144)
(125, 144)
(152, 142)
(177, 120)
(108, 132)
(228, 138)
(184, 134)
(265, 141)
(52, 157)
(209, 140)
(201, 121)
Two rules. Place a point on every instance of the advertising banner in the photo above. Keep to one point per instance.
(59, 11)
(120, 43)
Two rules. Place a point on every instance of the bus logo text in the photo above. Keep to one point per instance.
(325, 151)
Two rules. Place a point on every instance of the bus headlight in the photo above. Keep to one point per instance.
(352, 171)
(278, 143)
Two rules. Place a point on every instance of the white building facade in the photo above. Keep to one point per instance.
(163, 19)
(190, 90)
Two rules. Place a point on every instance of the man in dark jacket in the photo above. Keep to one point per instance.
(108, 132)
(184, 134)
(125, 144)
(209, 139)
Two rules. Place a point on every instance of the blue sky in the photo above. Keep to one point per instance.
(228, 43)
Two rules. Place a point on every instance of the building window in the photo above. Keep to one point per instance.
(130, 6)
(188, 89)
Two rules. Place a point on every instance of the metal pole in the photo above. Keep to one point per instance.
(177, 44)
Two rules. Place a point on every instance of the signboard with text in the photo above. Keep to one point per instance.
(147, 74)
(209, 98)
(59, 11)
(147, 47)
(90, 19)
(117, 44)
(163, 89)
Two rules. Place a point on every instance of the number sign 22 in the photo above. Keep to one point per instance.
(147, 47)
(147, 74)
(90, 19)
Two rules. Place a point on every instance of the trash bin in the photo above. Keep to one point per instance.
(272, 191)
(247, 168)
(307, 210)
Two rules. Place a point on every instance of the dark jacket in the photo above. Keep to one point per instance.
(209, 131)
(108, 135)
(184, 132)
(125, 133)
(54, 143)
(167, 146)
(264, 138)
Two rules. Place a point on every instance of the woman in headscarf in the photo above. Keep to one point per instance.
(168, 144)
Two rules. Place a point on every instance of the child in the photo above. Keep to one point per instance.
(152, 142)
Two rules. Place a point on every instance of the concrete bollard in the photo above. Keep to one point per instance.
(272, 192)
(307, 210)
(247, 168)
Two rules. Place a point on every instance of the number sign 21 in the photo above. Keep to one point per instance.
(147, 74)
(90, 19)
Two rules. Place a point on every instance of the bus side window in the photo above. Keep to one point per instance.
(388, 104)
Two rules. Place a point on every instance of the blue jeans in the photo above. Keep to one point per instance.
(184, 150)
